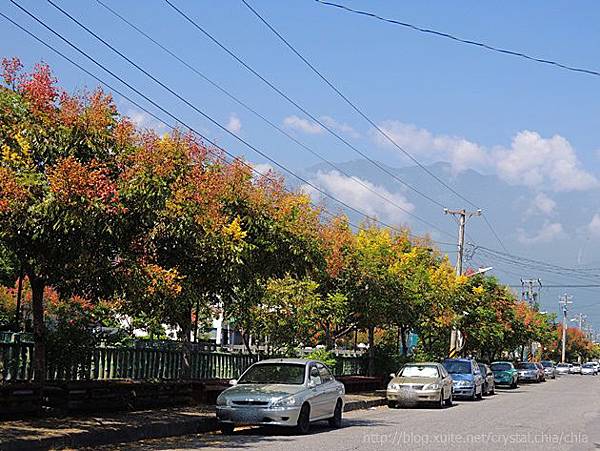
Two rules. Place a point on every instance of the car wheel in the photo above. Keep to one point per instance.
(493, 390)
(440, 403)
(303, 425)
(392, 404)
(473, 397)
(513, 385)
(480, 396)
(485, 389)
(449, 401)
(226, 428)
(336, 420)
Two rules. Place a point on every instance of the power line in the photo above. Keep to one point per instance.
(298, 106)
(464, 41)
(365, 116)
(267, 121)
(174, 117)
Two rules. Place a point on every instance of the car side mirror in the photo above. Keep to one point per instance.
(311, 384)
(233, 382)
(392, 375)
(314, 372)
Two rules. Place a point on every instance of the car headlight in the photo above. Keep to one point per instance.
(222, 401)
(393, 386)
(464, 383)
(285, 402)
(434, 386)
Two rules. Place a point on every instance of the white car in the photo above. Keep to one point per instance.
(283, 392)
(589, 369)
(575, 368)
(563, 368)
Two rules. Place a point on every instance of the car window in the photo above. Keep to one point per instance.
(501, 367)
(314, 378)
(274, 373)
(325, 373)
(419, 371)
(527, 366)
(457, 366)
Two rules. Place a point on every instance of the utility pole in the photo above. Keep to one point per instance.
(463, 215)
(564, 301)
(530, 294)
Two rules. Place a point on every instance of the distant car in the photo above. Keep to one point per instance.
(596, 365)
(528, 372)
(467, 381)
(563, 368)
(575, 368)
(419, 383)
(549, 369)
(283, 392)
(505, 373)
(489, 387)
(589, 368)
(540, 368)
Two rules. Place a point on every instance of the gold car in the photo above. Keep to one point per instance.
(420, 382)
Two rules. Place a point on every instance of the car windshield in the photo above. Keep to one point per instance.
(527, 366)
(547, 364)
(418, 371)
(457, 367)
(588, 365)
(563, 365)
(274, 373)
(501, 366)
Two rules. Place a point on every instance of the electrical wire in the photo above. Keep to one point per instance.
(298, 106)
(267, 121)
(471, 42)
(170, 114)
(365, 116)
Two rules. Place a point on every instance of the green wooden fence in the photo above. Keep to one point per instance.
(109, 363)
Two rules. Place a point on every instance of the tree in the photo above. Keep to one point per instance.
(58, 201)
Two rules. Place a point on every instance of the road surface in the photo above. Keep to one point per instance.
(563, 414)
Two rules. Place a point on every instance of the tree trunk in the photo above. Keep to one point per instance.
(246, 340)
(39, 329)
(186, 329)
(403, 333)
(371, 364)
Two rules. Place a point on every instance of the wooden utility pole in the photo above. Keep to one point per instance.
(462, 215)
(564, 302)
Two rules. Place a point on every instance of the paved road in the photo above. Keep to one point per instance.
(563, 414)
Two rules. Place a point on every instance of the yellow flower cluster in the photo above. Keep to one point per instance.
(234, 230)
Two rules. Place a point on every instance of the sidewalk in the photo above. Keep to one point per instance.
(52, 432)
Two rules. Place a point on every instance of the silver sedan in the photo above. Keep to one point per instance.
(282, 392)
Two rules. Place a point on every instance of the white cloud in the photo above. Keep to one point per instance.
(350, 190)
(263, 168)
(341, 127)
(234, 125)
(531, 160)
(143, 120)
(422, 144)
(535, 161)
(303, 125)
(594, 226)
(542, 204)
(549, 232)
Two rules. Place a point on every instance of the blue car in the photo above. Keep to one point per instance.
(467, 381)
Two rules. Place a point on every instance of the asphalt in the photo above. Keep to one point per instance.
(562, 414)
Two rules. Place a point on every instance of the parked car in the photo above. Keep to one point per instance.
(284, 392)
(419, 383)
(489, 387)
(528, 372)
(540, 368)
(549, 369)
(505, 373)
(466, 378)
(563, 368)
(595, 364)
(589, 368)
(575, 368)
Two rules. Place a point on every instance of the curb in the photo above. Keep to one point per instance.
(112, 435)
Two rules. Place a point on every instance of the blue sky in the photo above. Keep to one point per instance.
(533, 126)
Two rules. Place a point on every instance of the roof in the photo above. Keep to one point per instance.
(287, 360)
(422, 364)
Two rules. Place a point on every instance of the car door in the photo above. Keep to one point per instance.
(446, 381)
(329, 389)
(316, 396)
